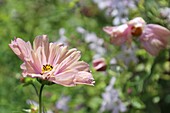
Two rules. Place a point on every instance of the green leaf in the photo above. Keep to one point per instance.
(137, 103)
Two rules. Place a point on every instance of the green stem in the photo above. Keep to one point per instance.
(40, 101)
(151, 71)
(35, 88)
(147, 78)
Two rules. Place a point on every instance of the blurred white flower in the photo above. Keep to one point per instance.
(62, 38)
(91, 37)
(95, 43)
(102, 4)
(127, 55)
(113, 61)
(165, 13)
(62, 103)
(111, 101)
(34, 106)
(81, 30)
(117, 9)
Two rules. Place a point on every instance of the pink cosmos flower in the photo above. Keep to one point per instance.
(121, 34)
(153, 38)
(51, 62)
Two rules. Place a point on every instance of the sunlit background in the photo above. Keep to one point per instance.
(134, 81)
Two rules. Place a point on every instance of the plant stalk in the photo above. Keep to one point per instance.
(40, 98)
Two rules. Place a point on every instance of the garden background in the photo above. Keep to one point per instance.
(142, 81)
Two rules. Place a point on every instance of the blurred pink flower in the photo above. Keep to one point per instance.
(153, 38)
(99, 64)
(119, 34)
(129, 90)
(124, 33)
(51, 62)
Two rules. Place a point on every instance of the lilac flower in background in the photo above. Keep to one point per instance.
(62, 39)
(118, 9)
(113, 64)
(127, 55)
(95, 43)
(111, 101)
(165, 13)
(113, 61)
(51, 62)
(62, 103)
(81, 30)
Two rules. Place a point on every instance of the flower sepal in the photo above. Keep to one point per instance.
(26, 81)
(44, 82)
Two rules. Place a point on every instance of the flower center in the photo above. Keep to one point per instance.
(136, 31)
(47, 68)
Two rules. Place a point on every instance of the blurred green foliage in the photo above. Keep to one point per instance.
(149, 80)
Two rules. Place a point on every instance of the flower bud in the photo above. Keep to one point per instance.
(99, 64)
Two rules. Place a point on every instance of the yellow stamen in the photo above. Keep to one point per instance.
(47, 68)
